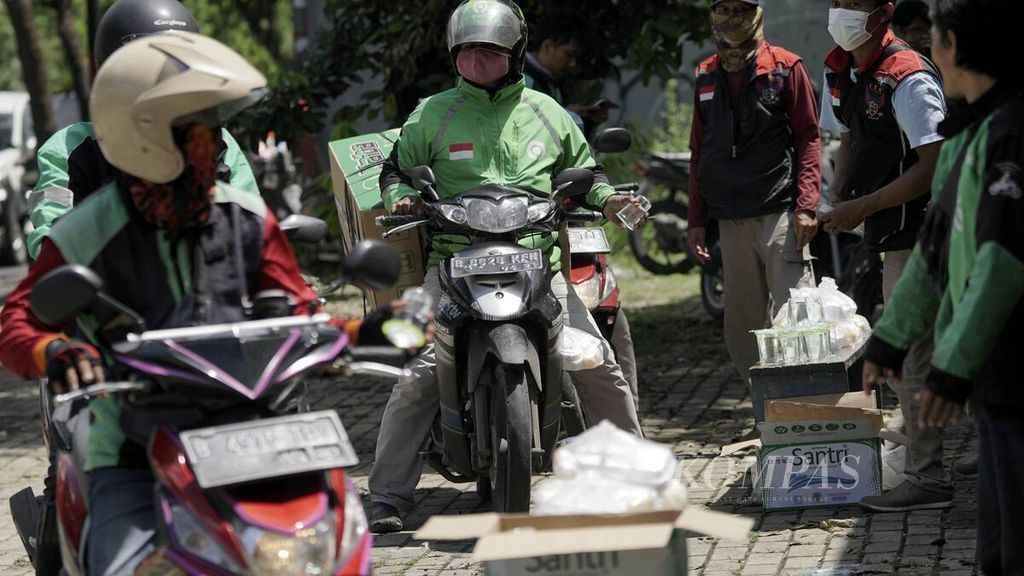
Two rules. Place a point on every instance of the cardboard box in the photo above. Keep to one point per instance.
(651, 543)
(841, 374)
(819, 451)
(355, 173)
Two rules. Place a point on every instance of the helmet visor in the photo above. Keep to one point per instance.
(486, 22)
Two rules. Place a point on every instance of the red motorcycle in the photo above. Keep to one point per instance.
(246, 480)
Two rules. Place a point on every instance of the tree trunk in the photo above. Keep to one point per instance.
(33, 68)
(73, 54)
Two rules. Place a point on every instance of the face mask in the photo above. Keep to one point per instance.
(481, 66)
(849, 27)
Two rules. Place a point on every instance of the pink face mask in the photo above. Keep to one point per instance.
(481, 66)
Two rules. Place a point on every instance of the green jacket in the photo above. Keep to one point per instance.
(966, 273)
(71, 167)
(519, 137)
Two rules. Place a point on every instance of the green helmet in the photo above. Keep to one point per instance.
(496, 22)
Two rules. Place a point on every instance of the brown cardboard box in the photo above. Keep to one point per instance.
(650, 543)
(355, 171)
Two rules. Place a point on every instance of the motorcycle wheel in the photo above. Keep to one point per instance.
(712, 292)
(656, 246)
(511, 440)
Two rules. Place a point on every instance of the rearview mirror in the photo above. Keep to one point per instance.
(573, 182)
(613, 140)
(64, 293)
(424, 181)
(371, 265)
(303, 229)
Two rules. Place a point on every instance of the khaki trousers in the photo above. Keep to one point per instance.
(924, 453)
(761, 263)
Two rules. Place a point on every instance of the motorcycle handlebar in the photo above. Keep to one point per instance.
(387, 355)
(631, 187)
(398, 220)
(584, 216)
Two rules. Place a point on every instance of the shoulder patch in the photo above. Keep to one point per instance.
(708, 66)
(82, 233)
(227, 193)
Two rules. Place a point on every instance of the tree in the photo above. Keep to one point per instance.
(33, 67)
(74, 59)
(406, 50)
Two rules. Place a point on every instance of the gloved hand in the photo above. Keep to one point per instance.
(71, 364)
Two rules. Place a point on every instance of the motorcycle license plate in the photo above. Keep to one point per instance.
(269, 448)
(498, 264)
(588, 241)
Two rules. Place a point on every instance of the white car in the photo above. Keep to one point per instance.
(17, 147)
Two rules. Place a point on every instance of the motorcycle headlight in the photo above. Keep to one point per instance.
(308, 552)
(454, 213)
(497, 217)
(194, 539)
(537, 211)
(589, 291)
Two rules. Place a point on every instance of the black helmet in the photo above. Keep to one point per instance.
(127, 20)
(497, 22)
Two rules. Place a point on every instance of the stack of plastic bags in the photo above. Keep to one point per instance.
(608, 471)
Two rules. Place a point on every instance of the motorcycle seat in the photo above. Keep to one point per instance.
(676, 160)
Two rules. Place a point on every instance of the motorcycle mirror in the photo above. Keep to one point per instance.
(304, 229)
(613, 140)
(423, 180)
(64, 293)
(371, 265)
(573, 182)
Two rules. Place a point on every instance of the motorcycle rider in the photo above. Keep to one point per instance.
(886, 102)
(755, 168)
(489, 129)
(167, 239)
(555, 48)
(71, 165)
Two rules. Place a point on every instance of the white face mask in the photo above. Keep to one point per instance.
(849, 27)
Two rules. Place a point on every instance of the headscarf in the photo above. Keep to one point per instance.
(187, 201)
(738, 37)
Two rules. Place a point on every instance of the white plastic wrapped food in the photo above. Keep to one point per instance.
(579, 350)
(591, 494)
(837, 306)
(616, 455)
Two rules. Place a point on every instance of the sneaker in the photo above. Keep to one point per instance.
(905, 498)
(385, 519)
(967, 465)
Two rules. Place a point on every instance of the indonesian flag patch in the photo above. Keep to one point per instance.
(835, 93)
(460, 151)
(707, 93)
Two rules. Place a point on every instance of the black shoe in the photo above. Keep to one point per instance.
(385, 519)
(905, 498)
(967, 465)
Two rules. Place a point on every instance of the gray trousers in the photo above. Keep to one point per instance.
(924, 453)
(622, 343)
(761, 263)
(122, 520)
(415, 402)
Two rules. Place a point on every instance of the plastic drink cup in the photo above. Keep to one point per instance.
(407, 329)
(634, 212)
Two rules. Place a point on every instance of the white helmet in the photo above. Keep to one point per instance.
(150, 83)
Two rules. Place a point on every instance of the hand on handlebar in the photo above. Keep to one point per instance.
(72, 364)
(410, 205)
(696, 238)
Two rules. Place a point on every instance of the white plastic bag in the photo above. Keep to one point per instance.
(893, 467)
(616, 455)
(579, 350)
(591, 494)
(837, 307)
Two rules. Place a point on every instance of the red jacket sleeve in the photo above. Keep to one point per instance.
(23, 336)
(696, 215)
(278, 268)
(803, 113)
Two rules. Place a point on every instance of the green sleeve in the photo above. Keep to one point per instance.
(241, 172)
(412, 149)
(910, 312)
(52, 158)
(576, 154)
(994, 289)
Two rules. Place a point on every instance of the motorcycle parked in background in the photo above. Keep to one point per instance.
(660, 247)
(246, 481)
(498, 323)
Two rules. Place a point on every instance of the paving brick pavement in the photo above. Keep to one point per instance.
(690, 399)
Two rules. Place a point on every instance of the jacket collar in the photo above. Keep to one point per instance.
(765, 61)
(971, 114)
(509, 93)
(537, 70)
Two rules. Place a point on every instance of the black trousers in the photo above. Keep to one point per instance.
(1000, 492)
